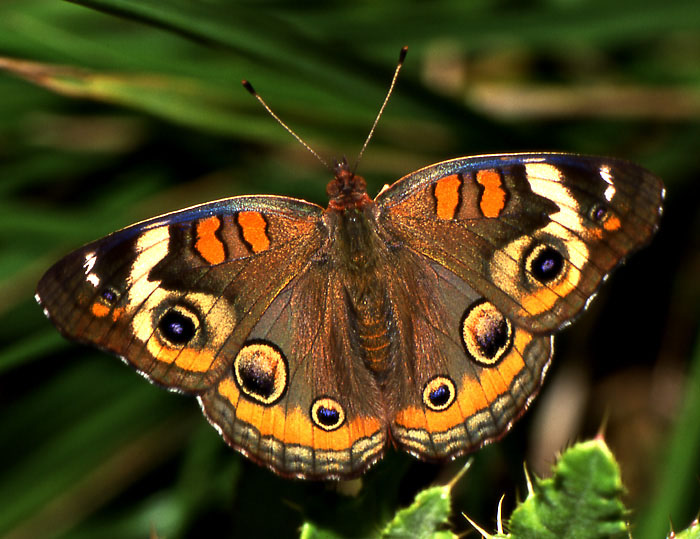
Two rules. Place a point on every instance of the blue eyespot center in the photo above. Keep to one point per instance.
(109, 295)
(327, 413)
(547, 264)
(176, 327)
(599, 213)
(327, 416)
(440, 395)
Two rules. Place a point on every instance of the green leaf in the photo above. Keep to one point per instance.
(311, 531)
(693, 532)
(581, 499)
(177, 99)
(426, 517)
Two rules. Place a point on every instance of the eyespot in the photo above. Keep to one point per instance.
(599, 213)
(327, 413)
(109, 295)
(439, 393)
(260, 370)
(487, 334)
(603, 216)
(178, 325)
(544, 263)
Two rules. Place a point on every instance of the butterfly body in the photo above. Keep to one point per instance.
(312, 337)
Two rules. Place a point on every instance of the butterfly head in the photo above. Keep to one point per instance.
(346, 190)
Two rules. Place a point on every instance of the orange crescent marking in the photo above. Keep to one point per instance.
(447, 196)
(278, 426)
(249, 412)
(294, 427)
(513, 363)
(195, 360)
(546, 297)
(413, 417)
(493, 199)
(185, 358)
(253, 226)
(207, 244)
(101, 310)
(268, 421)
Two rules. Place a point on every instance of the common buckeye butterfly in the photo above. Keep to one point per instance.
(313, 337)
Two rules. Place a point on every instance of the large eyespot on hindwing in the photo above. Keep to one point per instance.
(261, 371)
(487, 335)
(327, 413)
(439, 393)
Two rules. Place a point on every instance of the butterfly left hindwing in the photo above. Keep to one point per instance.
(327, 419)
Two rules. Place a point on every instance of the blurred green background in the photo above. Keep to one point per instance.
(112, 111)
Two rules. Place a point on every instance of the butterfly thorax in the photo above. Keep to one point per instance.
(351, 218)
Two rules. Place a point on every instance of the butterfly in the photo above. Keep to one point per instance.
(313, 338)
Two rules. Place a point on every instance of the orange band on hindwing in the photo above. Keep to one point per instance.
(208, 245)
(292, 426)
(474, 394)
(254, 230)
(493, 195)
(446, 193)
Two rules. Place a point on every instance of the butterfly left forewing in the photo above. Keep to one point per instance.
(535, 233)
(169, 294)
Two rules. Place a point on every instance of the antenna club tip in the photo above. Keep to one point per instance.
(248, 86)
(402, 54)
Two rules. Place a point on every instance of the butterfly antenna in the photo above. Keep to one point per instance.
(402, 57)
(248, 86)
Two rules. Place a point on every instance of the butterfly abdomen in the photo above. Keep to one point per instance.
(373, 330)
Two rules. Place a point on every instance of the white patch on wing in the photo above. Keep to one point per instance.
(90, 260)
(546, 180)
(152, 247)
(607, 178)
(567, 224)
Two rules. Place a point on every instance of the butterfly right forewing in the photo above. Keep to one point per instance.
(504, 224)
